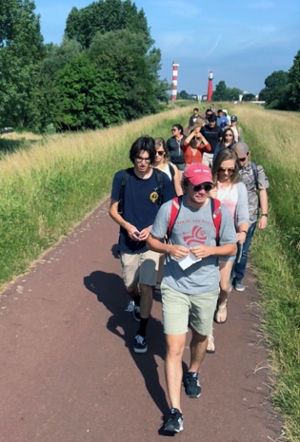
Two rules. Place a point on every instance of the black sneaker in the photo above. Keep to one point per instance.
(175, 422)
(192, 385)
(137, 313)
(140, 344)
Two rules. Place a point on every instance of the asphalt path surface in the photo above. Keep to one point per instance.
(69, 373)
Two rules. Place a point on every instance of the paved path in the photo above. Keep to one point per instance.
(68, 373)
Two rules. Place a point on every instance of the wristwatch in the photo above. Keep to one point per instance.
(264, 214)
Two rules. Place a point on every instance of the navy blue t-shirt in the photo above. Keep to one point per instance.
(139, 209)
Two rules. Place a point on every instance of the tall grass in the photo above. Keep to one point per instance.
(273, 138)
(47, 189)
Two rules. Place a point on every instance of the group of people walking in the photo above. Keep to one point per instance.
(187, 211)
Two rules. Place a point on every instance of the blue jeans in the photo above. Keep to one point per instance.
(239, 268)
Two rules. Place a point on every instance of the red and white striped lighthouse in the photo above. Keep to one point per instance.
(210, 86)
(174, 80)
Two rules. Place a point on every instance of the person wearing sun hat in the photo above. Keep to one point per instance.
(190, 284)
(237, 130)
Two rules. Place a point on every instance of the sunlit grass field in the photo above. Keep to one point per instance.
(273, 138)
(47, 187)
(51, 184)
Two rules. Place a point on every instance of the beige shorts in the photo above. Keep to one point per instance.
(207, 159)
(180, 309)
(140, 268)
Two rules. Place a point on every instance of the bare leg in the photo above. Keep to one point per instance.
(225, 271)
(198, 347)
(146, 300)
(173, 367)
(132, 291)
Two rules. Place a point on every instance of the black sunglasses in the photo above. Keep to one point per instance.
(206, 187)
(243, 159)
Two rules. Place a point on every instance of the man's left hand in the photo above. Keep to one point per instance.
(145, 233)
(263, 223)
(201, 251)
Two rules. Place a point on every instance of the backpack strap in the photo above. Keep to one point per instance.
(215, 212)
(175, 208)
(172, 171)
(216, 216)
(125, 179)
(159, 179)
(255, 174)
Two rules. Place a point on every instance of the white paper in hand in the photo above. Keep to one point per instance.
(188, 261)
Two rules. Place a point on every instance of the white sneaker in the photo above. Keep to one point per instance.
(130, 306)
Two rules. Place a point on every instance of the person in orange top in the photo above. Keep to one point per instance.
(193, 146)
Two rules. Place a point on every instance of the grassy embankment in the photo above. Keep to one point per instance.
(47, 189)
(273, 138)
(44, 191)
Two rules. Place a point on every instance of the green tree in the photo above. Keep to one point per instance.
(220, 93)
(90, 97)
(276, 88)
(294, 89)
(249, 97)
(232, 94)
(125, 53)
(183, 95)
(21, 49)
(106, 16)
(47, 95)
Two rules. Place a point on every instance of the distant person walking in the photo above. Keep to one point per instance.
(233, 194)
(256, 182)
(174, 146)
(237, 130)
(194, 146)
(226, 142)
(163, 163)
(189, 294)
(135, 199)
(213, 134)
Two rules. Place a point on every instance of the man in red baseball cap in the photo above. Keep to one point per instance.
(190, 285)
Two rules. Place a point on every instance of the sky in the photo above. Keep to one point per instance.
(241, 42)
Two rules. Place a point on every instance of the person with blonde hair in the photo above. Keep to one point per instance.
(163, 163)
(233, 194)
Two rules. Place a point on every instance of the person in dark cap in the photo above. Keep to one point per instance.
(237, 130)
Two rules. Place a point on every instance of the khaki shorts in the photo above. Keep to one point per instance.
(180, 309)
(207, 159)
(140, 268)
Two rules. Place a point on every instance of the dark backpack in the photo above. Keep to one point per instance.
(125, 178)
(215, 212)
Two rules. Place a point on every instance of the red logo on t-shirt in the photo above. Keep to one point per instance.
(198, 236)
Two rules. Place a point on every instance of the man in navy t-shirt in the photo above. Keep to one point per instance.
(142, 198)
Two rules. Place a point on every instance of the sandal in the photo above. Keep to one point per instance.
(221, 313)
(210, 345)
(156, 290)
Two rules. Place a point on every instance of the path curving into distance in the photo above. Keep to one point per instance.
(68, 372)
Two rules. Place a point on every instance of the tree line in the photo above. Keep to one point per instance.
(282, 89)
(105, 70)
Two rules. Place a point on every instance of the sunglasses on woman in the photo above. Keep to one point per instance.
(207, 187)
(160, 152)
(226, 169)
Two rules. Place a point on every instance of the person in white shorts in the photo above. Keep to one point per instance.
(146, 188)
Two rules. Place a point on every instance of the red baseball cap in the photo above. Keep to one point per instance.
(198, 173)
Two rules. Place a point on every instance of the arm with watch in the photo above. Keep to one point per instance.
(263, 199)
